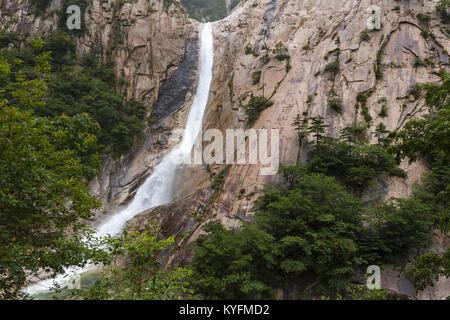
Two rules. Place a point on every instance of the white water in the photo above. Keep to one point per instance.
(158, 188)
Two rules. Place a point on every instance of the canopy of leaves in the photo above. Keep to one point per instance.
(355, 164)
(206, 10)
(141, 278)
(305, 231)
(430, 136)
(309, 234)
(255, 106)
(428, 268)
(73, 90)
(44, 163)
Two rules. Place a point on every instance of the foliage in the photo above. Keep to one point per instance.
(206, 10)
(317, 128)
(63, 16)
(141, 278)
(384, 111)
(336, 105)
(282, 57)
(305, 231)
(365, 36)
(7, 38)
(256, 77)
(362, 293)
(423, 18)
(255, 106)
(354, 133)
(40, 5)
(333, 68)
(443, 9)
(233, 4)
(355, 164)
(315, 224)
(309, 234)
(302, 128)
(428, 268)
(43, 191)
(230, 264)
(403, 224)
(73, 90)
(429, 136)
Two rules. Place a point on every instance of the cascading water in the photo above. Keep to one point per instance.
(158, 188)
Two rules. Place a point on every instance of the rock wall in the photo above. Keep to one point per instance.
(154, 46)
(311, 32)
(150, 42)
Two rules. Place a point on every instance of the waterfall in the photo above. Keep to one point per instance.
(158, 188)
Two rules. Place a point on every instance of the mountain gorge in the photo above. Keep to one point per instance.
(288, 60)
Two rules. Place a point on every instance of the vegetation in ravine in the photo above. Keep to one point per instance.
(206, 10)
(74, 88)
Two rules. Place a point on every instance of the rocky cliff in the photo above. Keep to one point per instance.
(154, 46)
(155, 49)
(381, 65)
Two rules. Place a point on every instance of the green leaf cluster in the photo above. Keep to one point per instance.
(142, 277)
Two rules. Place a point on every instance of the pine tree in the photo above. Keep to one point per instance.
(381, 134)
(301, 126)
(317, 128)
(347, 135)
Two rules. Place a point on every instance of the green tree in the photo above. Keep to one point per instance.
(356, 165)
(352, 134)
(429, 136)
(402, 224)
(317, 128)
(381, 133)
(315, 224)
(209, 10)
(255, 106)
(428, 268)
(305, 233)
(232, 264)
(140, 275)
(301, 126)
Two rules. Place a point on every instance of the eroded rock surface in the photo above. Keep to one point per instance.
(149, 44)
(311, 32)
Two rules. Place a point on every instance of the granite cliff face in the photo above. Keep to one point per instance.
(381, 67)
(311, 33)
(155, 49)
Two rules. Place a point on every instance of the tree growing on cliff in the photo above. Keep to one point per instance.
(317, 128)
(428, 268)
(429, 136)
(301, 126)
